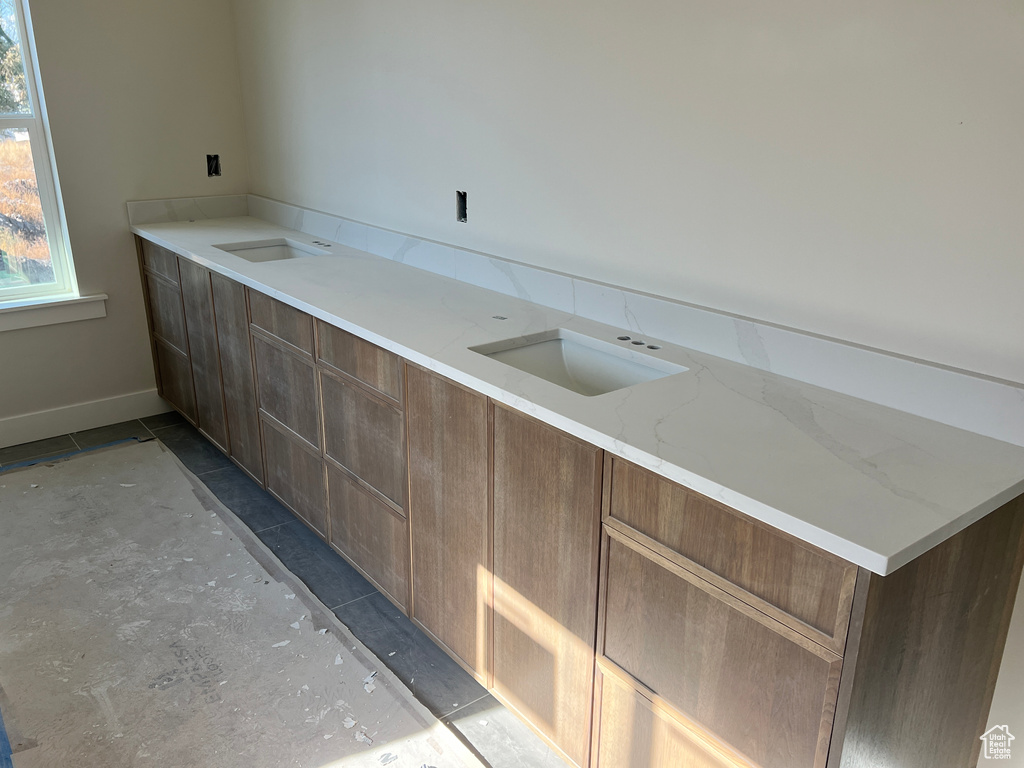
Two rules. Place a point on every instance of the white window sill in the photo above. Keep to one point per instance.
(30, 313)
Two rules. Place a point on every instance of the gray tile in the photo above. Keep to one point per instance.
(162, 420)
(499, 738)
(322, 569)
(254, 506)
(51, 446)
(437, 681)
(192, 449)
(112, 433)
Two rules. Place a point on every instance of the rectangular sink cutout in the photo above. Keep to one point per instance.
(580, 363)
(276, 249)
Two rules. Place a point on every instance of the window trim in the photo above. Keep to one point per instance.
(65, 283)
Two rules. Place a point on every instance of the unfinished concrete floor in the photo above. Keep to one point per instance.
(497, 737)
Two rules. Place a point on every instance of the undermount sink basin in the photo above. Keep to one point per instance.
(271, 250)
(578, 362)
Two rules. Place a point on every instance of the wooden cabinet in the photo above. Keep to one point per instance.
(800, 585)
(365, 456)
(705, 639)
(295, 475)
(365, 435)
(370, 534)
(204, 352)
(724, 634)
(232, 314)
(547, 501)
(754, 683)
(166, 318)
(633, 729)
(288, 398)
(449, 516)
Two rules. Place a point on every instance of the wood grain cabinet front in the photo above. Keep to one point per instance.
(547, 501)
(232, 313)
(204, 352)
(802, 586)
(365, 435)
(754, 683)
(295, 476)
(371, 535)
(449, 516)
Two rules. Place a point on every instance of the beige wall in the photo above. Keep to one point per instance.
(853, 169)
(137, 93)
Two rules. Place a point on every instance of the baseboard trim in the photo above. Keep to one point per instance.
(24, 428)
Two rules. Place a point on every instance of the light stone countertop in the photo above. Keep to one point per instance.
(868, 483)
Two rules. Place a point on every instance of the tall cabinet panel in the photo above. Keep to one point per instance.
(167, 327)
(449, 441)
(236, 371)
(288, 396)
(547, 518)
(197, 299)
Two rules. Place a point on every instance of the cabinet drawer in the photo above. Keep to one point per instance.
(286, 385)
(160, 260)
(166, 312)
(634, 732)
(281, 321)
(360, 359)
(370, 534)
(175, 374)
(757, 685)
(295, 475)
(366, 436)
(810, 585)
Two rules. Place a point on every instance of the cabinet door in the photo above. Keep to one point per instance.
(449, 515)
(236, 371)
(287, 389)
(174, 379)
(547, 494)
(197, 299)
(295, 475)
(365, 435)
(760, 687)
(370, 534)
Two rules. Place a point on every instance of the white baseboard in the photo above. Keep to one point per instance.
(15, 430)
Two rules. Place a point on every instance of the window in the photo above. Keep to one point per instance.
(34, 255)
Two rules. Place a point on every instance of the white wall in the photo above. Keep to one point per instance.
(137, 93)
(853, 169)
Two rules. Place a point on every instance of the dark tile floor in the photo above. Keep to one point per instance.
(488, 728)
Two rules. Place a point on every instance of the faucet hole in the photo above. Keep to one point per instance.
(637, 342)
(624, 338)
(653, 346)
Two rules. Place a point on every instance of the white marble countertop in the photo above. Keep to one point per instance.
(868, 483)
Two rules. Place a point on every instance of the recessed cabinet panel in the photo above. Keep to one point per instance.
(197, 298)
(295, 475)
(370, 534)
(547, 501)
(375, 367)
(175, 378)
(166, 313)
(449, 513)
(366, 436)
(747, 679)
(236, 371)
(286, 323)
(286, 383)
(160, 260)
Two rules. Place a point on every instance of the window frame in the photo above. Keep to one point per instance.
(35, 123)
